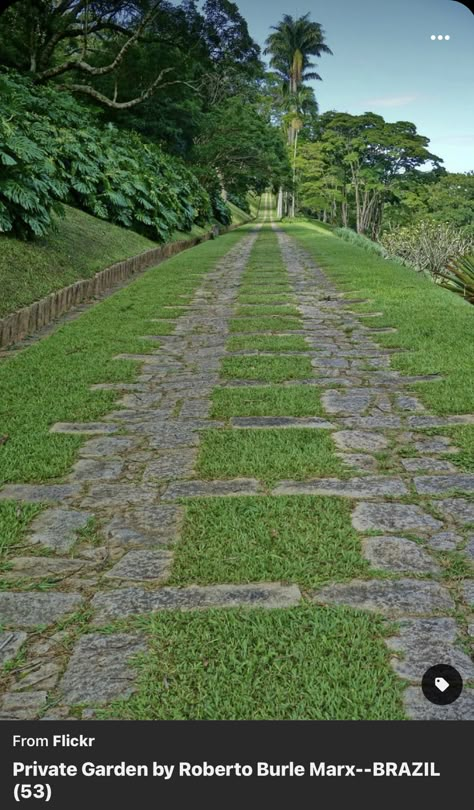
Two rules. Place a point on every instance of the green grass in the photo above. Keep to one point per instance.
(80, 247)
(304, 663)
(433, 324)
(14, 518)
(268, 368)
(268, 343)
(266, 298)
(294, 400)
(49, 382)
(304, 539)
(249, 311)
(268, 454)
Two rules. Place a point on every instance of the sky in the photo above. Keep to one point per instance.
(385, 61)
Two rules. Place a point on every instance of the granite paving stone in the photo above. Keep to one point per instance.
(99, 670)
(58, 528)
(34, 608)
(398, 555)
(142, 565)
(391, 597)
(10, 645)
(123, 602)
(392, 517)
(423, 643)
(370, 486)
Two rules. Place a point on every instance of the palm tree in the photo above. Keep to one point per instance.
(291, 45)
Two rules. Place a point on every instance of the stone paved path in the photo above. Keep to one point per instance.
(139, 460)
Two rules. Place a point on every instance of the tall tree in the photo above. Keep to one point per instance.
(291, 45)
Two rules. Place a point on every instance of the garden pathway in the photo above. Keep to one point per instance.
(138, 465)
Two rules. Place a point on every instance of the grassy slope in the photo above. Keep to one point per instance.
(81, 246)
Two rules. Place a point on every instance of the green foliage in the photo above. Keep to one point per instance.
(437, 195)
(459, 277)
(52, 149)
(29, 185)
(428, 245)
(361, 241)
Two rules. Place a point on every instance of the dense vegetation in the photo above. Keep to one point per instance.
(103, 105)
(155, 115)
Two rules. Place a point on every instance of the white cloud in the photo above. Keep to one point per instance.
(390, 101)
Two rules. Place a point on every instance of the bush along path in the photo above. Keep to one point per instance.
(243, 537)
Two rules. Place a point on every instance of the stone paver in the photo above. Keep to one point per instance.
(10, 644)
(89, 428)
(129, 601)
(360, 440)
(398, 555)
(99, 669)
(392, 517)
(142, 565)
(31, 609)
(418, 708)
(353, 488)
(391, 597)
(58, 529)
(39, 493)
(424, 643)
(459, 509)
(280, 422)
(441, 484)
(207, 489)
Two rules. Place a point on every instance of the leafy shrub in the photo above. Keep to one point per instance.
(52, 148)
(429, 245)
(220, 209)
(241, 202)
(459, 277)
(360, 240)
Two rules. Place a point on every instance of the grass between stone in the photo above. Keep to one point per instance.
(49, 382)
(268, 324)
(251, 311)
(250, 664)
(266, 368)
(304, 539)
(292, 400)
(268, 343)
(268, 454)
(266, 298)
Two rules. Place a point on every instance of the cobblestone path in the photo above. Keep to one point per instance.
(137, 470)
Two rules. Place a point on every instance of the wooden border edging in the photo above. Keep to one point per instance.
(29, 320)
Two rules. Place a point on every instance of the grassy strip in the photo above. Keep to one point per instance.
(14, 518)
(263, 324)
(268, 454)
(268, 343)
(249, 311)
(432, 323)
(303, 539)
(303, 663)
(294, 400)
(49, 382)
(266, 298)
(267, 368)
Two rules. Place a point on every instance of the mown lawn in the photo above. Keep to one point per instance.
(303, 539)
(306, 663)
(81, 246)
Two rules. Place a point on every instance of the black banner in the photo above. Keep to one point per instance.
(142, 764)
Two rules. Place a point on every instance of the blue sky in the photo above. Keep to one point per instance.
(385, 61)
